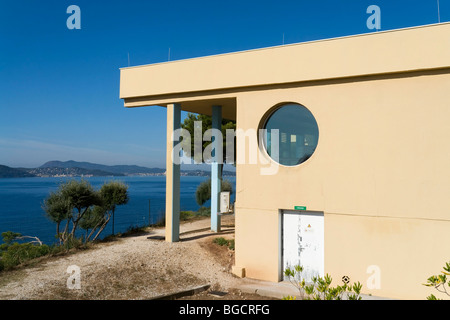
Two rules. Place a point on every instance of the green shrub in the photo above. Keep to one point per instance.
(72, 243)
(13, 253)
(204, 212)
(439, 282)
(320, 288)
(224, 242)
(186, 215)
(18, 253)
(221, 241)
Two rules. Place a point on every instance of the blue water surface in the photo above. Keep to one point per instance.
(21, 202)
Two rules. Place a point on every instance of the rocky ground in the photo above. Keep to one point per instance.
(140, 266)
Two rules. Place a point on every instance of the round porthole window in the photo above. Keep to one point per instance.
(291, 134)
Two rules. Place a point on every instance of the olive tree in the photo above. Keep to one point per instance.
(58, 209)
(69, 203)
(92, 221)
(81, 195)
(112, 194)
(80, 206)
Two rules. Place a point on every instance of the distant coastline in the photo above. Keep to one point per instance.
(86, 169)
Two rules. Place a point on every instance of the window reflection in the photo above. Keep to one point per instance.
(298, 134)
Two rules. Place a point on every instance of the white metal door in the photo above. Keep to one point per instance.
(303, 242)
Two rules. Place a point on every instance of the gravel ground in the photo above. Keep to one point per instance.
(141, 266)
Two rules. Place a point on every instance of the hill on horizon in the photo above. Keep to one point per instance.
(8, 172)
(116, 169)
(81, 168)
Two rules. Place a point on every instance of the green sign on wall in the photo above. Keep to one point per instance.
(299, 208)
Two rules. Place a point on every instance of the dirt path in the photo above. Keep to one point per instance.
(134, 267)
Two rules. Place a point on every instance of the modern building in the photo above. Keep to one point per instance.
(358, 183)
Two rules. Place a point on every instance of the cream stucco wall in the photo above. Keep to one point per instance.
(388, 137)
(380, 174)
(405, 251)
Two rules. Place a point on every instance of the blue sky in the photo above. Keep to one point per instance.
(59, 88)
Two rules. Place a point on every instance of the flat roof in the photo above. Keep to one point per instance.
(392, 51)
(287, 45)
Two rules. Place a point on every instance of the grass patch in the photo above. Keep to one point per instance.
(187, 215)
(221, 241)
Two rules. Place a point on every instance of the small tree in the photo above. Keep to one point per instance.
(77, 203)
(70, 203)
(203, 192)
(206, 122)
(92, 220)
(81, 195)
(58, 209)
(112, 194)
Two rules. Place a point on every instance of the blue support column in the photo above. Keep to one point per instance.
(216, 168)
(172, 176)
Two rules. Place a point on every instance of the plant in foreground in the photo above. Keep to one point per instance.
(221, 241)
(439, 282)
(13, 253)
(320, 288)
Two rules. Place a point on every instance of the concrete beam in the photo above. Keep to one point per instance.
(216, 169)
(172, 176)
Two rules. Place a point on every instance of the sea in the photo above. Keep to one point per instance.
(21, 201)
